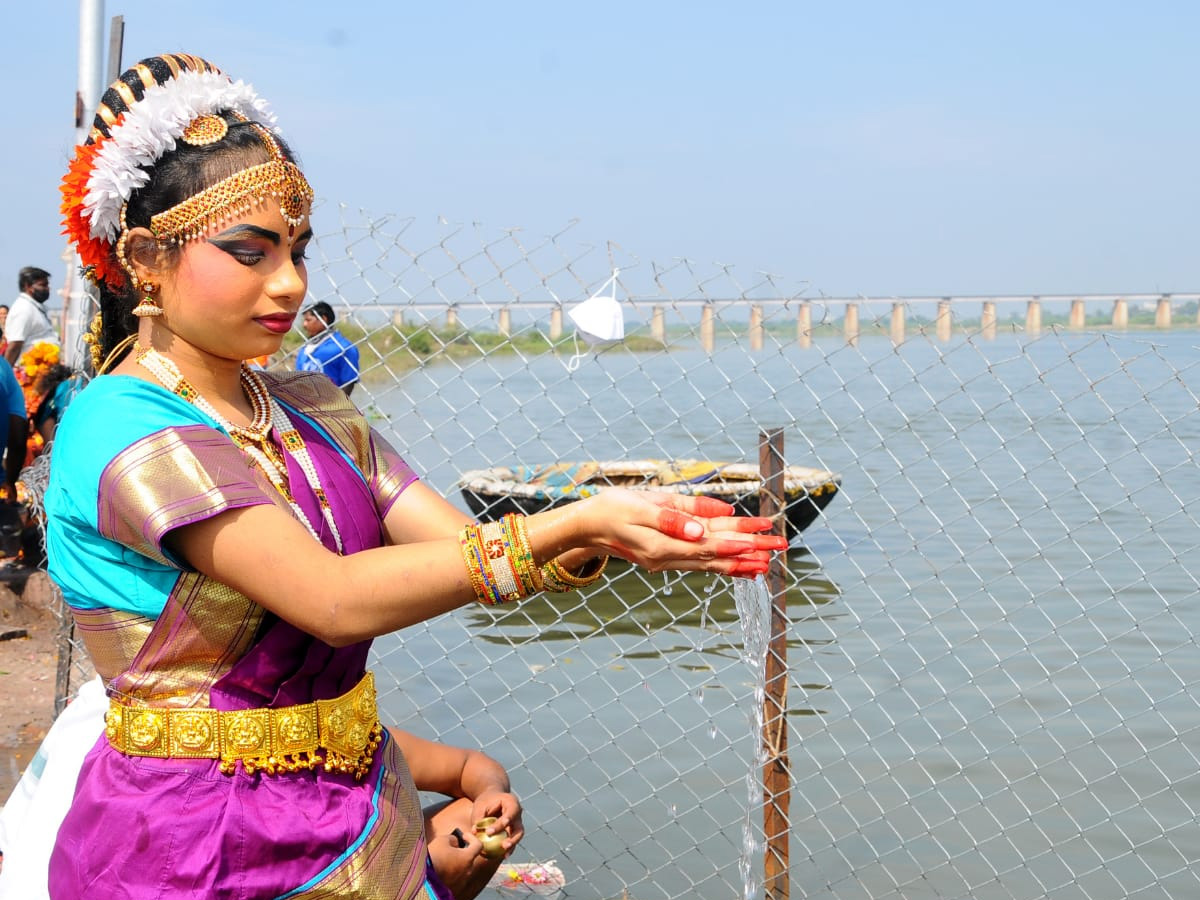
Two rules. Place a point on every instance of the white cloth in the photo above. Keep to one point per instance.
(31, 817)
(29, 323)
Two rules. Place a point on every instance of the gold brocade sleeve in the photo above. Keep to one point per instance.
(388, 474)
(327, 405)
(172, 478)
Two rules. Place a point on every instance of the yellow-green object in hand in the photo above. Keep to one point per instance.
(493, 844)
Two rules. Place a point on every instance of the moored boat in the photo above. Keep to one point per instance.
(490, 493)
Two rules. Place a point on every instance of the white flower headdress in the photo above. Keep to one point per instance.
(150, 129)
(108, 169)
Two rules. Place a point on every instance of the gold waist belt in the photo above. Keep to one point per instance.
(340, 734)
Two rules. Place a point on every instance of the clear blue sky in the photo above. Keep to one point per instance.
(881, 148)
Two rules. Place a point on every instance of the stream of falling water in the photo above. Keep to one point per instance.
(753, 604)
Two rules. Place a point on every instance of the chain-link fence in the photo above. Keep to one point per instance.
(992, 661)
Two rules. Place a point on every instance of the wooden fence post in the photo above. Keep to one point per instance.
(776, 770)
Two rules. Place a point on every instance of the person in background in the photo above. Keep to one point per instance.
(28, 323)
(56, 389)
(14, 427)
(230, 542)
(327, 349)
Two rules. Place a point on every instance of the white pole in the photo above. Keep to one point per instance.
(78, 296)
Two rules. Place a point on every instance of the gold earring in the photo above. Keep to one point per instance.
(120, 249)
(149, 306)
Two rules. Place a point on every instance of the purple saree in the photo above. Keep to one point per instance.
(148, 828)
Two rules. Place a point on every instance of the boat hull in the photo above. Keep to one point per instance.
(492, 493)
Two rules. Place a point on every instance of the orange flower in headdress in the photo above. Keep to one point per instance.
(94, 252)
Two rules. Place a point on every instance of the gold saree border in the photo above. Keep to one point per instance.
(319, 399)
(185, 653)
(388, 862)
(174, 477)
(113, 638)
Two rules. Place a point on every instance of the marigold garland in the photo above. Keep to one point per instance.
(38, 360)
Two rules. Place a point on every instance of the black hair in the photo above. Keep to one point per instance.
(324, 312)
(176, 175)
(29, 275)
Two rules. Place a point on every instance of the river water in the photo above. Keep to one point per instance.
(993, 641)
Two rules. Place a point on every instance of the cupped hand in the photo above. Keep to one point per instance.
(460, 863)
(679, 532)
(507, 810)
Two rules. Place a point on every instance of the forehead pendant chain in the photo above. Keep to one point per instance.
(255, 439)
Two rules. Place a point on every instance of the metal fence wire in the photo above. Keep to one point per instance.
(992, 624)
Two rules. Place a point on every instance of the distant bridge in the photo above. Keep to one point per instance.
(1163, 304)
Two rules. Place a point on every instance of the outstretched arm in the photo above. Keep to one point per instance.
(266, 554)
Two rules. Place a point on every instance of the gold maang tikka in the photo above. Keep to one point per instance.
(237, 195)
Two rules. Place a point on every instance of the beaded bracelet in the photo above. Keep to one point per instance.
(473, 557)
(499, 560)
(557, 579)
(526, 568)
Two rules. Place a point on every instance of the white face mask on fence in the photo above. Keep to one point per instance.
(598, 320)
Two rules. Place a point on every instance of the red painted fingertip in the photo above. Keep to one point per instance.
(676, 524)
(748, 568)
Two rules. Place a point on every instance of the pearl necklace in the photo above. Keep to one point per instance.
(255, 439)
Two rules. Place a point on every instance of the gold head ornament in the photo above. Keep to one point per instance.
(237, 195)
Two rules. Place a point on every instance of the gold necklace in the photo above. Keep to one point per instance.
(254, 439)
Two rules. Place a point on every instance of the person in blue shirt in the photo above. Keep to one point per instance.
(14, 427)
(327, 349)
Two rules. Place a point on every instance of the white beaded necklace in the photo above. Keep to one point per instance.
(255, 439)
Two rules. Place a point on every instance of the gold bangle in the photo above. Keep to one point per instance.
(526, 568)
(472, 554)
(558, 580)
(498, 560)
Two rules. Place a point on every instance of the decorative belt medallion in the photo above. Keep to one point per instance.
(284, 739)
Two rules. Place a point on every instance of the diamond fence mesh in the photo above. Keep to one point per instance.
(991, 646)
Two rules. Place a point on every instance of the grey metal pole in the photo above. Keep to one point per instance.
(78, 301)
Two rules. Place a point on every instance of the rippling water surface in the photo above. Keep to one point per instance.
(993, 643)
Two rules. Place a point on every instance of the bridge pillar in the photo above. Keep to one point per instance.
(987, 320)
(850, 324)
(804, 324)
(756, 326)
(556, 323)
(658, 325)
(943, 322)
(1120, 318)
(1078, 317)
(451, 318)
(1162, 312)
(897, 329)
(708, 328)
(1033, 316)
(505, 321)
